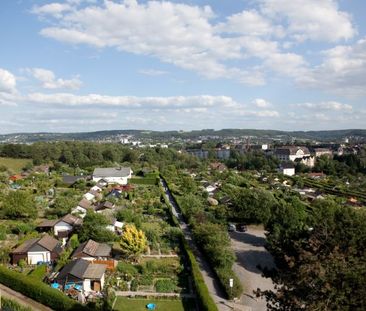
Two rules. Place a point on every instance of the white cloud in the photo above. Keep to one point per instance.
(7, 81)
(49, 80)
(250, 23)
(55, 9)
(342, 71)
(132, 102)
(329, 105)
(261, 103)
(153, 72)
(319, 20)
(246, 47)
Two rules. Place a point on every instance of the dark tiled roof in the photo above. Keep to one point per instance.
(72, 220)
(112, 172)
(76, 268)
(93, 249)
(94, 271)
(82, 269)
(47, 223)
(84, 203)
(44, 243)
(69, 179)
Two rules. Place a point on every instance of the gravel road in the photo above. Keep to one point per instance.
(249, 249)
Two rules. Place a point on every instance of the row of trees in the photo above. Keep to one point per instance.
(89, 154)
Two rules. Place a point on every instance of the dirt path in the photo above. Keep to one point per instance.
(249, 249)
(21, 299)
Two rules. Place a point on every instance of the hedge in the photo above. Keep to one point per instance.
(205, 300)
(144, 181)
(38, 291)
(12, 305)
(223, 274)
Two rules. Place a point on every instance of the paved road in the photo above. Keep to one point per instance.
(249, 249)
(207, 273)
(21, 299)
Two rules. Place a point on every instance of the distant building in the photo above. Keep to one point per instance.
(199, 153)
(291, 153)
(287, 169)
(323, 151)
(113, 175)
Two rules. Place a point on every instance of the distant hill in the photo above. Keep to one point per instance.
(114, 135)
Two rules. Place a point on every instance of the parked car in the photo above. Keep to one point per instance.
(231, 227)
(241, 227)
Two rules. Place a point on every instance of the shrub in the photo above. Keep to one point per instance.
(39, 272)
(74, 241)
(127, 268)
(224, 275)
(12, 305)
(143, 181)
(205, 300)
(3, 233)
(146, 279)
(134, 285)
(38, 291)
(165, 286)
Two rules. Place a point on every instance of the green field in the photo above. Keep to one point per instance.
(15, 165)
(127, 304)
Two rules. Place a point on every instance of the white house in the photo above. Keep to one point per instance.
(82, 208)
(113, 175)
(63, 227)
(291, 153)
(89, 196)
(115, 226)
(33, 251)
(287, 169)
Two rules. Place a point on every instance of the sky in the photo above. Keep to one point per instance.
(89, 65)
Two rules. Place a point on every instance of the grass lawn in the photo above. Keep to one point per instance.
(15, 165)
(139, 304)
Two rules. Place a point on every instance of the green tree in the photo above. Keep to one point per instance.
(320, 266)
(18, 204)
(94, 227)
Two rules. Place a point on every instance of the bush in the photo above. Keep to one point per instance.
(146, 279)
(3, 232)
(165, 286)
(39, 272)
(143, 181)
(127, 268)
(224, 275)
(38, 291)
(12, 305)
(205, 300)
(134, 285)
(74, 241)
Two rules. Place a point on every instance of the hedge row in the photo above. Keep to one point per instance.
(12, 305)
(38, 291)
(223, 274)
(204, 298)
(144, 181)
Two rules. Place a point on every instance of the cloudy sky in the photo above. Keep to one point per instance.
(84, 65)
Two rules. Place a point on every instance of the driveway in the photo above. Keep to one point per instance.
(249, 249)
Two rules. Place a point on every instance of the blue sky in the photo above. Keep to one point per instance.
(85, 65)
